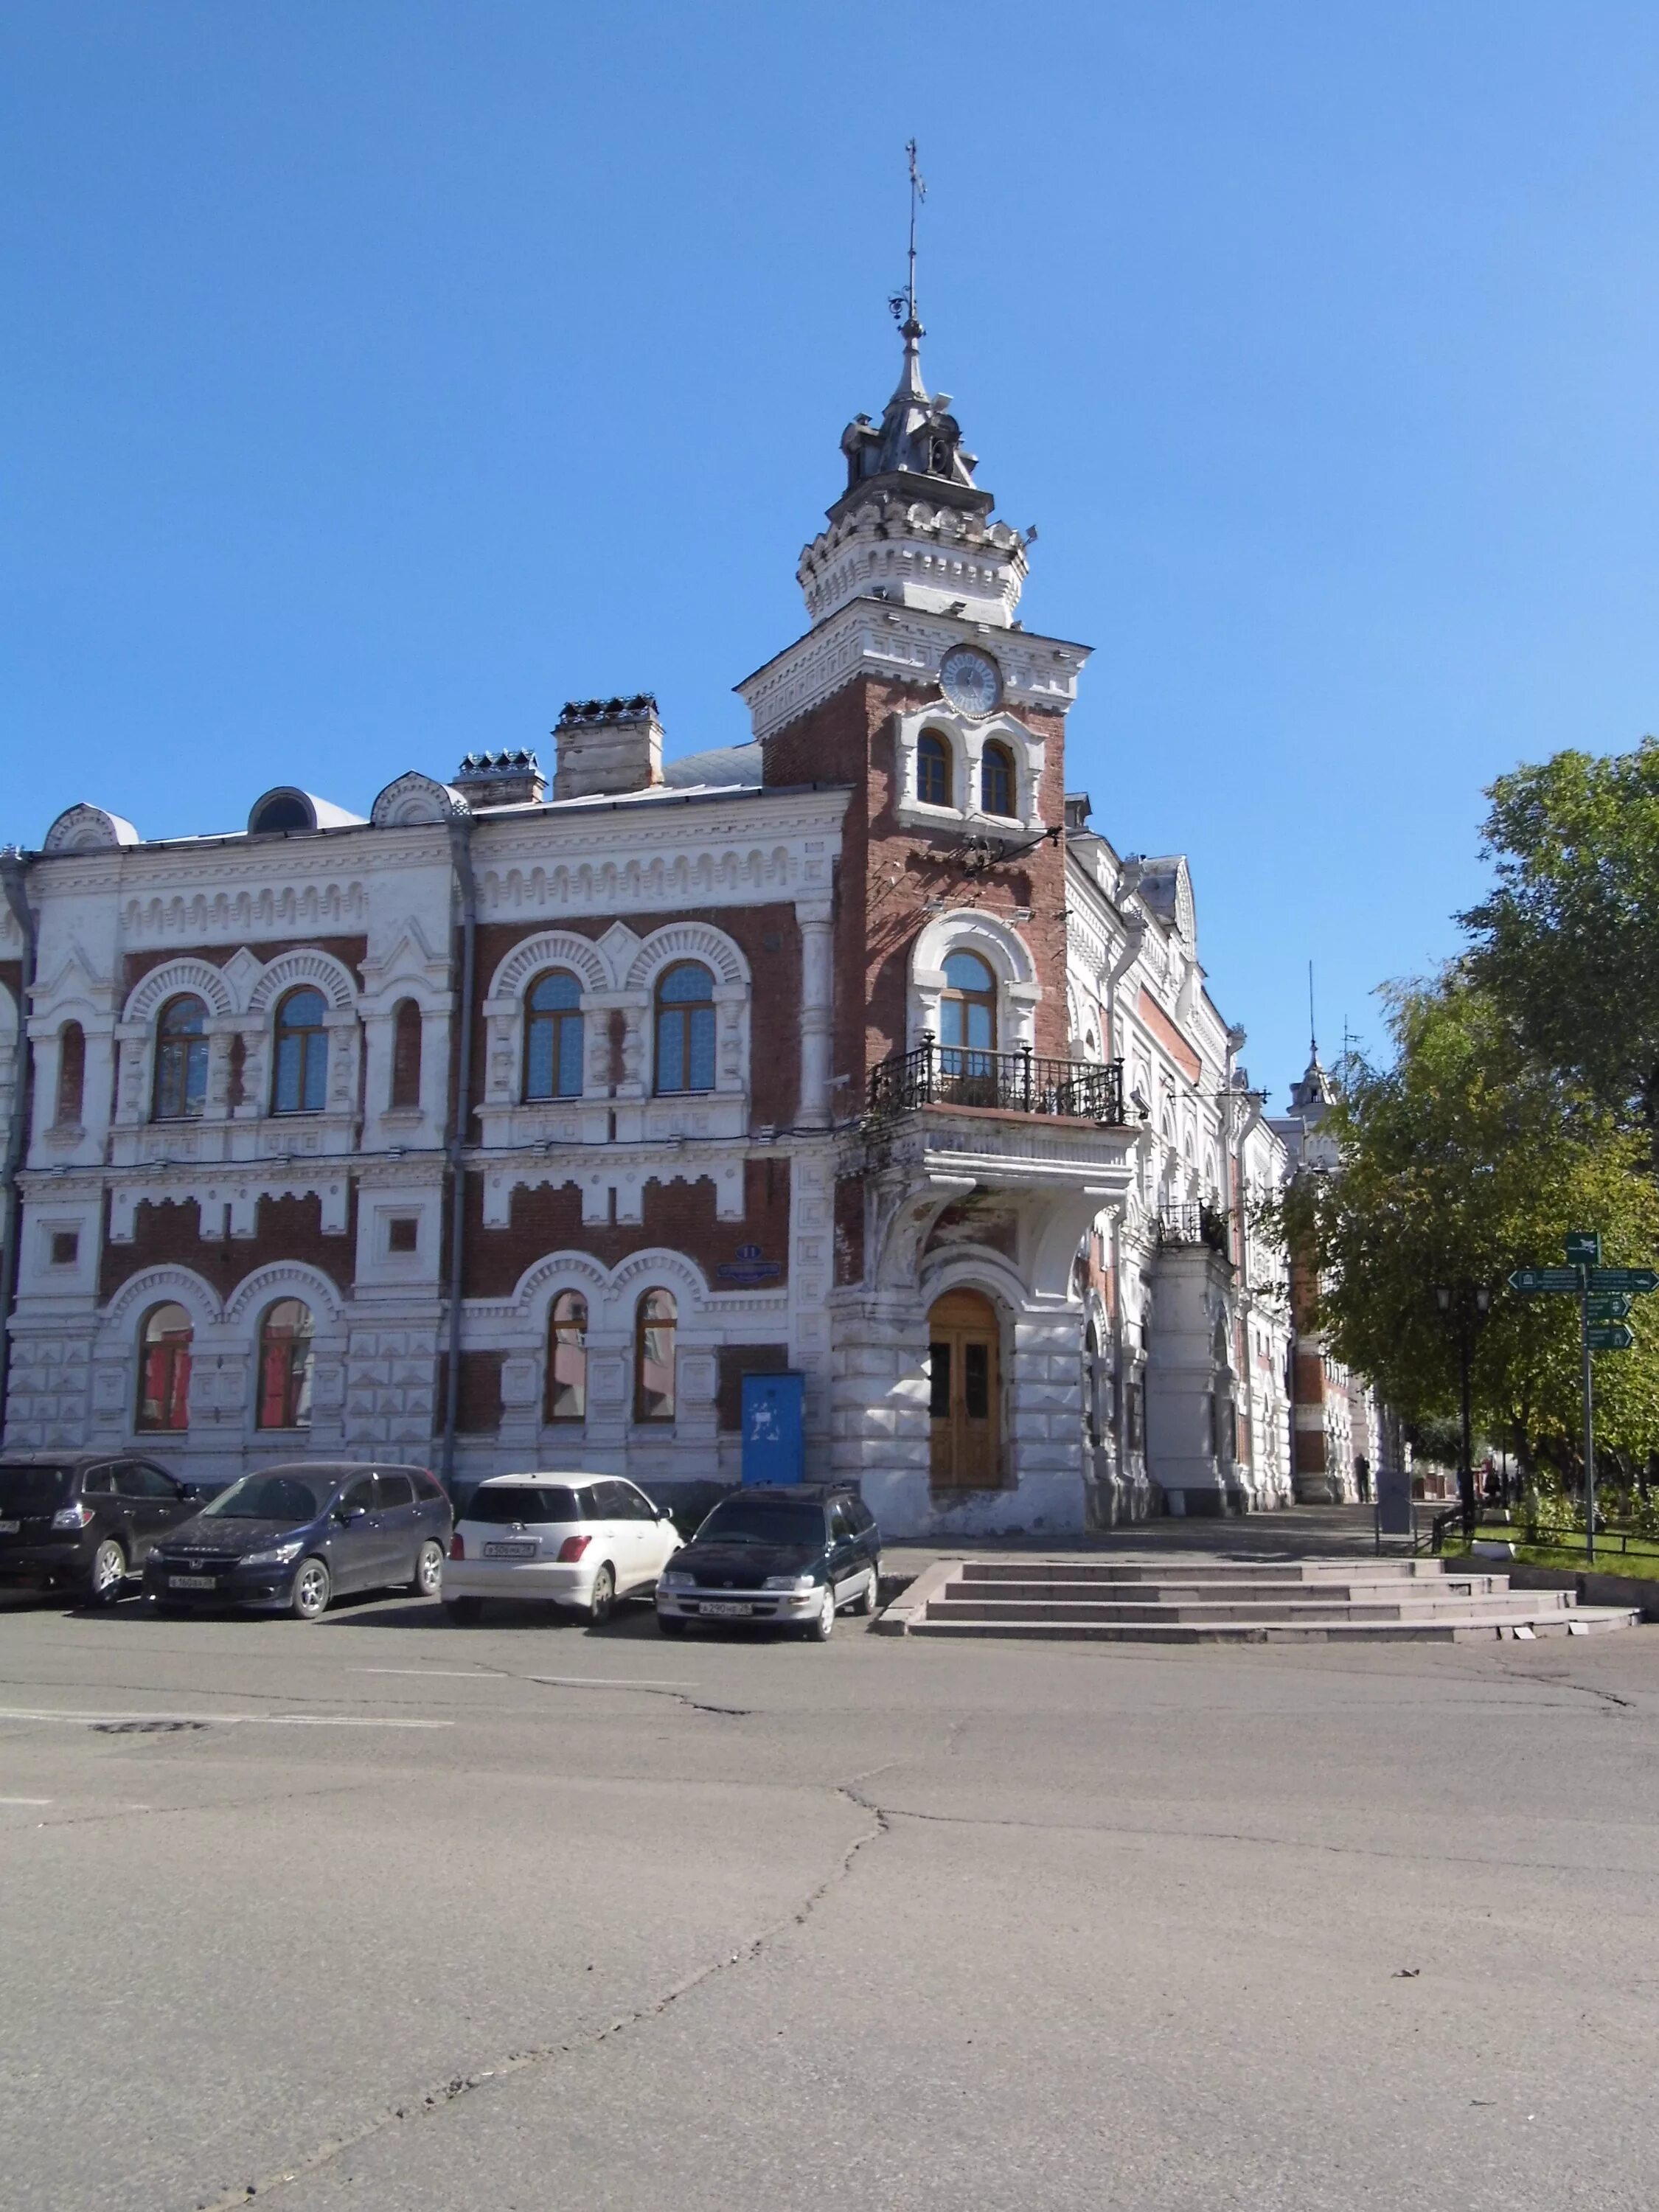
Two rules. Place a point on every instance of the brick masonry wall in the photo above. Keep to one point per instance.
(135, 966)
(888, 874)
(771, 938)
(677, 1216)
(168, 1234)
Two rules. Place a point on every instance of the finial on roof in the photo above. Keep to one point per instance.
(904, 304)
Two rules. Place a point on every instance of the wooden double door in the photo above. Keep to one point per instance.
(964, 1344)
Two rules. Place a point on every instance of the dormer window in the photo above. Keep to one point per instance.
(933, 769)
(939, 457)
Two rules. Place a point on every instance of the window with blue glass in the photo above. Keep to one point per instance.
(685, 1029)
(968, 1016)
(553, 1037)
(301, 1079)
(181, 1061)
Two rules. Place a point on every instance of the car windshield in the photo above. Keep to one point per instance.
(522, 1501)
(31, 1490)
(750, 1521)
(284, 1496)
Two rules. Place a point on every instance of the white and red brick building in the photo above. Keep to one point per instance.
(853, 1050)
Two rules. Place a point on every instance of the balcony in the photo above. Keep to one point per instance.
(1195, 1224)
(1001, 1082)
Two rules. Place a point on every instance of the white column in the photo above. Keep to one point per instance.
(816, 1009)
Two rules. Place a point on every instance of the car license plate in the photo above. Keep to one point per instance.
(509, 1550)
(10, 1528)
(192, 1581)
(727, 1611)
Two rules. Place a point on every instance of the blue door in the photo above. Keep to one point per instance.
(773, 1428)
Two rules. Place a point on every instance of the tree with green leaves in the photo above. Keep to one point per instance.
(1567, 943)
(1465, 1159)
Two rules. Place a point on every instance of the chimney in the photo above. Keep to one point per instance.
(501, 779)
(608, 745)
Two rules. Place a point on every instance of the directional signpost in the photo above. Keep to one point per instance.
(1604, 1296)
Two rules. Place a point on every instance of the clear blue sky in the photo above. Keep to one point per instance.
(379, 375)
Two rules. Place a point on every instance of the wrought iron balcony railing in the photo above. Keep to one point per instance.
(1014, 1082)
(1194, 1225)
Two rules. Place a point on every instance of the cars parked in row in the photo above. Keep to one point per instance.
(290, 1538)
(574, 1540)
(287, 1538)
(798, 1553)
(84, 1521)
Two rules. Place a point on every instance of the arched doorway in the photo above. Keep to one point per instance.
(966, 1395)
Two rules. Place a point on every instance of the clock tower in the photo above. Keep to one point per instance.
(916, 686)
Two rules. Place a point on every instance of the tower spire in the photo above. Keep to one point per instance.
(904, 304)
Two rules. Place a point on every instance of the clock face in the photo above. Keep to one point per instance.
(972, 681)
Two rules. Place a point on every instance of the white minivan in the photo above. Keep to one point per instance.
(581, 1540)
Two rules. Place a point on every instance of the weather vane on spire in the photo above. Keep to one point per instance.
(904, 304)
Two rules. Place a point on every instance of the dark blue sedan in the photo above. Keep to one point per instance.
(288, 1539)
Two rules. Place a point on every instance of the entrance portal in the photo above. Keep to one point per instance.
(966, 1402)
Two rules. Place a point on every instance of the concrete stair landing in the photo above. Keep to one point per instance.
(1234, 1601)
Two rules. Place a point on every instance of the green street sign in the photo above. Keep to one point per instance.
(1584, 1248)
(1638, 1280)
(1608, 1305)
(1549, 1279)
(1610, 1336)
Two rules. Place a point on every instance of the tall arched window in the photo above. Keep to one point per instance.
(996, 780)
(653, 1356)
(405, 1055)
(553, 1037)
(685, 1029)
(301, 1078)
(181, 1060)
(933, 769)
(164, 1368)
(567, 1357)
(71, 1074)
(285, 1363)
(968, 1016)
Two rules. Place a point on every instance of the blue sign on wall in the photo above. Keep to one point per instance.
(773, 1428)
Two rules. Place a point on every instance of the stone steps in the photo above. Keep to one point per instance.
(1233, 1602)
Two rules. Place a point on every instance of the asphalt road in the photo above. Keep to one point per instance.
(397, 1916)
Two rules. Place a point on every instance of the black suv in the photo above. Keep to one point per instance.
(287, 1538)
(85, 1521)
(796, 1553)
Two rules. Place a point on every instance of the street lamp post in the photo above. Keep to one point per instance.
(1469, 1302)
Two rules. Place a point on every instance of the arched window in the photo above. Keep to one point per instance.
(968, 1016)
(567, 1358)
(996, 780)
(653, 1356)
(933, 769)
(553, 1037)
(181, 1060)
(285, 1361)
(405, 1055)
(685, 1029)
(164, 1368)
(301, 1081)
(71, 1074)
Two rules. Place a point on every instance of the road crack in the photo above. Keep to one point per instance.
(442, 2095)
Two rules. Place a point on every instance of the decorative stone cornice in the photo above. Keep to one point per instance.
(875, 637)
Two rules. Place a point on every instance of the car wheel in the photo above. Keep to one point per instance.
(603, 1603)
(822, 1626)
(870, 1600)
(429, 1569)
(109, 1571)
(464, 1610)
(312, 1589)
(671, 1624)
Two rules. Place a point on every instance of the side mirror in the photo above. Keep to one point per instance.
(345, 1515)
